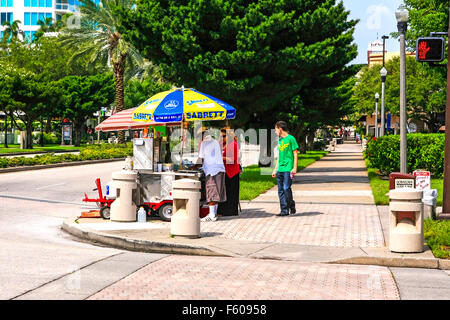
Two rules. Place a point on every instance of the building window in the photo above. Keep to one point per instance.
(32, 18)
(6, 3)
(37, 3)
(27, 19)
(29, 36)
(6, 16)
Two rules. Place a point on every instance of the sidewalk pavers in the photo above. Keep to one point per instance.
(336, 221)
(217, 278)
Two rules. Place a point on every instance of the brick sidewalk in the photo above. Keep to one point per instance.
(216, 278)
(313, 224)
(325, 195)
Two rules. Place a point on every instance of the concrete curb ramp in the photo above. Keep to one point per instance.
(159, 241)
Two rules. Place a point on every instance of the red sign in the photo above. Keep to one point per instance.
(423, 179)
(430, 49)
(423, 50)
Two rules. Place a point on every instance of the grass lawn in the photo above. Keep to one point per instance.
(381, 187)
(256, 180)
(14, 148)
(437, 236)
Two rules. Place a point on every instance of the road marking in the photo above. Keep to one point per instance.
(41, 200)
(51, 185)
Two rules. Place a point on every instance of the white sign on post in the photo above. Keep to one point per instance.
(423, 179)
(404, 183)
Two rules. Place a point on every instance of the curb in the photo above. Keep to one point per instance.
(57, 165)
(138, 245)
(171, 248)
(36, 153)
(398, 262)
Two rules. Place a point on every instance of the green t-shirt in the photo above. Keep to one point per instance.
(286, 147)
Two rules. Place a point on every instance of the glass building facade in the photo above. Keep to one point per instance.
(29, 12)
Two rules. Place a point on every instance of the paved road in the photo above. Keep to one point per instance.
(39, 261)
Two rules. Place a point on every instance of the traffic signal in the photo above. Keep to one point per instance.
(430, 49)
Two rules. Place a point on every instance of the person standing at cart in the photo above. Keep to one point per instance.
(210, 155)
(232, 170)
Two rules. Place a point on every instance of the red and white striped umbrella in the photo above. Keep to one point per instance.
(123, 121)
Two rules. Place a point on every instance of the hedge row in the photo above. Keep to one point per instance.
(89, 153)
(425, 151)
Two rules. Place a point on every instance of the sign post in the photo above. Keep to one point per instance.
(446, 192)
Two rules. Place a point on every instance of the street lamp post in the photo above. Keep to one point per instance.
(377, 96)
(402, 16)
(383, 74)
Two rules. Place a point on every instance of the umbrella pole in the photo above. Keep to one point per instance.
(182, 144)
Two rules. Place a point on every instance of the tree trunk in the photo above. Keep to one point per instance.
(48, 125)
(119, 69)
(299, 134)
(310, 141)
(266, 149)
(29, 135)
(6, 131)
(42, 134)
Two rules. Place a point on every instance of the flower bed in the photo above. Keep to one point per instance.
(95, 152)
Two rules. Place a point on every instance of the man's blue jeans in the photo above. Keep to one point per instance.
(285, 192)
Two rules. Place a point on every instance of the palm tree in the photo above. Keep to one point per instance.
(48, 25)
(96, 39)
(12, 30)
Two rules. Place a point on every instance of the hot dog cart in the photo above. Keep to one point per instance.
(156, 174)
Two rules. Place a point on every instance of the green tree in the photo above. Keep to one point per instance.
(425, 91)
(137, 91)
(426, 16)
(84, 95)
(98, 40)
(263, 57)
(48, 25)
(12, 31)
(31, 73)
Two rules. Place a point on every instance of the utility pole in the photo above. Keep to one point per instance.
(383, 73)
(402, 16)
(446, 196)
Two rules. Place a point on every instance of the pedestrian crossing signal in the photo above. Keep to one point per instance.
(430, 49)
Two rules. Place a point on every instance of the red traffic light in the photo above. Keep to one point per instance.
(430, 49)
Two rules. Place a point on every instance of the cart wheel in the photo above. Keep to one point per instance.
(165, 212)
(105, 212)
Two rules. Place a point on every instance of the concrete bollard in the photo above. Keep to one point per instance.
(406, 220)
(185, 221)
(124, 208)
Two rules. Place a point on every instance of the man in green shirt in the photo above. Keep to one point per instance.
(286, 168)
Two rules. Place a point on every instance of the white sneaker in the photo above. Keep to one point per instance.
(209, 218)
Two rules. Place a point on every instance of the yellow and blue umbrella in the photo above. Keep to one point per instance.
(183, 104)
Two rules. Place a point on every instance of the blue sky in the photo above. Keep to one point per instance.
(376, 18)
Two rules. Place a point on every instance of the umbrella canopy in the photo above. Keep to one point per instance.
(183, 104)
(123, 121)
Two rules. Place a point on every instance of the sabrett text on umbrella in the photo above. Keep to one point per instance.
(142, 116)
(204, 115)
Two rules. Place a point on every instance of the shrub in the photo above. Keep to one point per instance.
(319, 145)
(437, 235)
(49, 138)
(95, 152)
(425, 151)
